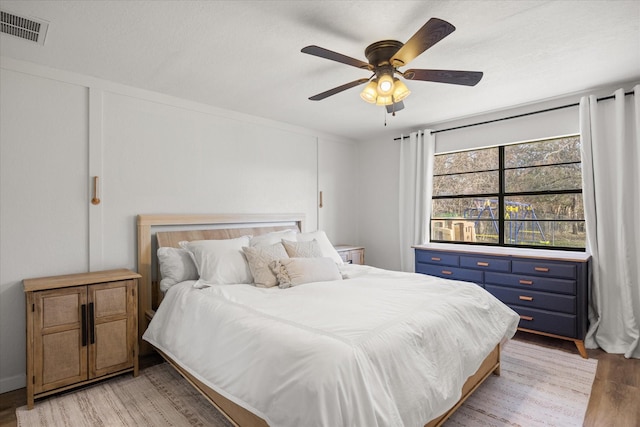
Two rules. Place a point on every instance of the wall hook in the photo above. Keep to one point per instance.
(95, 200)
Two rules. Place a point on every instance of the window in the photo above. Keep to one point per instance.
(526, 195)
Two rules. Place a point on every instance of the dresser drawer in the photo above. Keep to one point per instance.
(544, 268)
(439, 258)
(450, 272)
(533, 299)
(491, 264)
(546, 321)
(531, 282)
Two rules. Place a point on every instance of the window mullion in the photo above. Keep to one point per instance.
(501, 189)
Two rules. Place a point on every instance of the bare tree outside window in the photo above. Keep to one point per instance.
(526, 194)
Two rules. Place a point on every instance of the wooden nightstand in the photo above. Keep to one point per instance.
(81, 328)
(351, 254)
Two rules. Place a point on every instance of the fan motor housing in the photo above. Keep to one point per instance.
(379, 53)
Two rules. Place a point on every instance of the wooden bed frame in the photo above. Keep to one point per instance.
(228, 226)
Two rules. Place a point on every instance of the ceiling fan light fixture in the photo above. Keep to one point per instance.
(370, 92)
(385, 85)
(400, 91)
(384, 100)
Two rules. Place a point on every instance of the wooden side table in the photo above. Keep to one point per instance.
(81, 328)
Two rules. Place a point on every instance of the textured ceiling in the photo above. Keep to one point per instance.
(245, 55)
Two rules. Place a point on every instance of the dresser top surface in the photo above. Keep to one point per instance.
(507, 251)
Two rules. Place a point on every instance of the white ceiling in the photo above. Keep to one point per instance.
(245, 55)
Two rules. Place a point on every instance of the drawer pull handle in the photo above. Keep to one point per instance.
(529, 318)
(435, 258)
(482, 264)
(542, 269)
(525, 282)
(525, 298)
(447, 272)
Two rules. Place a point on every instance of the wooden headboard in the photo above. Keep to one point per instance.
(221, 226)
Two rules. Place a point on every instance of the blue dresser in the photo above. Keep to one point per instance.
(548, 292)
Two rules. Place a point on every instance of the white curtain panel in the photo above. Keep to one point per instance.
(416, 183)
(611, 184)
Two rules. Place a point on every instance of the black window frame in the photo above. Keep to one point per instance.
(501, 195)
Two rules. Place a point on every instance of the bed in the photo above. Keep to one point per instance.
(372, 347)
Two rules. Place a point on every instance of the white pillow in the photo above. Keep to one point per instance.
(273, 237)
(220, 261)
(176, 266)
(297, 271)
(259, 259)
(326, 247)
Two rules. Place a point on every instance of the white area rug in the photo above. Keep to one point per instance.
(538, 387)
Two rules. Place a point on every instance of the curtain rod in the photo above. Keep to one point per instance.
(546, 110)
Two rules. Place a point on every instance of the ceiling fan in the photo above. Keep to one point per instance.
(385, 57)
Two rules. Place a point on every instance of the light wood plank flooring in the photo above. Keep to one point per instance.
(615, 396)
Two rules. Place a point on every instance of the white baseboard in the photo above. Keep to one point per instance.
(13, 383)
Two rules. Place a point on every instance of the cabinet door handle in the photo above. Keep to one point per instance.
(525, 282)
(435, 258)
(92, 325)
(525, 298)
(529, 318)
(482, 264)
(542, 269)
(84, 324)
(447, 272)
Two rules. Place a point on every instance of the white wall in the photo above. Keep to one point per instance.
(379, 163)
(378, 201)
(43, 198)
(338, 181)
(153, 154)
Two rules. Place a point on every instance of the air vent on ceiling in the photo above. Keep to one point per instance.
(25, 28)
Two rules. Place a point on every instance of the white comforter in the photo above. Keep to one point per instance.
(381, 348)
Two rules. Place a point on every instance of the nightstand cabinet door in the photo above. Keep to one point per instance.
(60, 356)
(351, 254)
(356, 257)
(113, 334)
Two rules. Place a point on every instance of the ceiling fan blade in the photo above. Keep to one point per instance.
(335, 56)
(338, 89)
(393, 108)
(466, 78)
(431, 33)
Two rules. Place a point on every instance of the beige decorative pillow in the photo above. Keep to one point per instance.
(326, 248)
(259, 259)
(297, 271)
(309, 249)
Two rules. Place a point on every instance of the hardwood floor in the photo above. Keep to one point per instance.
(614, 401)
